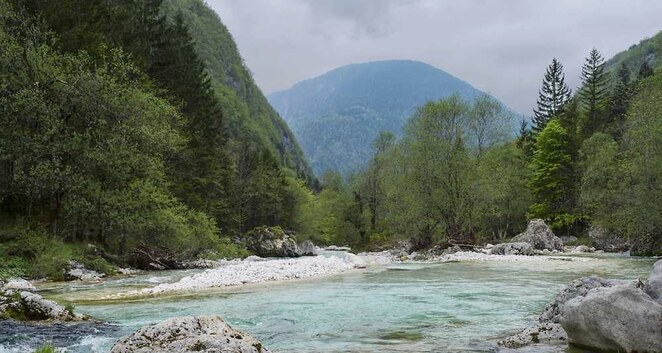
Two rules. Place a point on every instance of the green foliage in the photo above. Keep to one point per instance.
(643, 162)
(551, 177)
(47, 348)
(503, 197)
(119, 133)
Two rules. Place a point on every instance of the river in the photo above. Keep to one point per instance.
(408, 307)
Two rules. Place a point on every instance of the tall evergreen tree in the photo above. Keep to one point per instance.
(620, 101)
(552, 96)
(594, 93)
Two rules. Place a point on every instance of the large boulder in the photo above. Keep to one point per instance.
(601, 315)
(540, 236)
(189, 334)
(271, 242)
(28, 306)
(604, 239)
(576, 289)
(519, 248)
(614, 319)
(654, 285)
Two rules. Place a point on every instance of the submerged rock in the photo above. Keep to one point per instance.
(271, 242)
(621, 318)
(546, 332)
(518, 248)
(540, 236)
(189, 334)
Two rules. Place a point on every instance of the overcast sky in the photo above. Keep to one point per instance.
(501, 47)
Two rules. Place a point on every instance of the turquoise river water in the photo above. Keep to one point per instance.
(417, 307)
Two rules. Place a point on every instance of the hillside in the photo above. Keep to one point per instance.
(648, 49)
(251, 116)
(337, 115)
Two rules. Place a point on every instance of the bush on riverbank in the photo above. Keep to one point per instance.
(47, 348)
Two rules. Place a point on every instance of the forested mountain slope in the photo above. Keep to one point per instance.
(116, 132)
(648, 50)
(248, 112)
(337, 115)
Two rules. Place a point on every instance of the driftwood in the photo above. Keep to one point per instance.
(150, 258)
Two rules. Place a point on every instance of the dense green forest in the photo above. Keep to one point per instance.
(133, 127)
(336, 116)
(588, 162)
(114, 133)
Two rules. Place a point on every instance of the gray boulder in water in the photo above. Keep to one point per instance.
(601, 315)
(576, 289)
(208, 334)
(540, 236)
(271, 242)
(518, 248)
(620, 318)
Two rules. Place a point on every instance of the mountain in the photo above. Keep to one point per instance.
(337, 115)
(246, 108)
(648, 49)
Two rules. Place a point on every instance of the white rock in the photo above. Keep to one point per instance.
(127, 271)
(19, 284)
(245, 272)
(209, 334)
(254, 258)
(354, 260)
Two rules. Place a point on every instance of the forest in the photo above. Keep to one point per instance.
(120, 136)
(589, 161)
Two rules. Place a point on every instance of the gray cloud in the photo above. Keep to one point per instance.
(501, 47)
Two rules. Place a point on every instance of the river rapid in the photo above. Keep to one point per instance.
(461, 306)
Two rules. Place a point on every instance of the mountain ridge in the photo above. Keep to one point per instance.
(352, 103)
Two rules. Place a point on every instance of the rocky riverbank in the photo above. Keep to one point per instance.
(602, 315)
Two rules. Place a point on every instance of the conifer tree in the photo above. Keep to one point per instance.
(594, 93)
(620, 101)
(552, 96)
(525, 139)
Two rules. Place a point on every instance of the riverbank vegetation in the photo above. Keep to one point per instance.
(588, 162)
(121, 136)
(114, 134)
